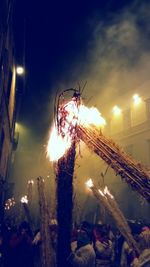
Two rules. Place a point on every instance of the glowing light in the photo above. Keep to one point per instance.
(24, 199)
(89, 183)
(101, 193)
(30, 182)
(57, 145)
(10, 202)
(136, 99)
(116, 110)
(106, 192)
(90, 116)
(69, 116)
(20, 70)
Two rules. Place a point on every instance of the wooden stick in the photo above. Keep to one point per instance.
(107, 202)
(47, 250)
(64, 178)
(132, 172)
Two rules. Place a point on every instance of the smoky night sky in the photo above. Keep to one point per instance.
(103, 43)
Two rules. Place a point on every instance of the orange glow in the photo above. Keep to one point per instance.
(69, 116)
(57, 145)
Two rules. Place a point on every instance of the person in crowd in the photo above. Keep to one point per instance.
(144, 243)
(84, 254)
(36, 243)
(119, 240)
(103, 247)
(21, 249)
(1, 250)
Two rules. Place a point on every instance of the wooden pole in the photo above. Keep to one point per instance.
(64, 177)
(47, 250)
(120, 220)
(136, 175)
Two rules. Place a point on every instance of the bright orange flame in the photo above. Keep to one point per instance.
(57, 145)
(69, 116)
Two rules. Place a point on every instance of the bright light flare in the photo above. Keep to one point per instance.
(107, 192)
(57, 145)
(136, 99)
(20, 70)
(69, 116)
(31, 182)
(24, 199)
(89, 183)
(116, 111)
(89, 116)
(100, 191)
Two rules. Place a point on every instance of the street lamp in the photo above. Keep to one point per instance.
(136, 99)
(116, 111)
(20, 70)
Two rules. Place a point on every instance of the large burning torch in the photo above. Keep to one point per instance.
(61, 148)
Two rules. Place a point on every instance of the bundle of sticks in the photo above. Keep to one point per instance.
(132, 172)
(108, 201)
(47, 250)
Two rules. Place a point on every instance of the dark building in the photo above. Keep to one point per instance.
(9, 96)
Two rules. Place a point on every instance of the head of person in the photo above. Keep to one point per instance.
(24, 228)
(85, 234)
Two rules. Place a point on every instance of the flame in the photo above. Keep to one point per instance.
(100, 191)
(89, 183)
(24, 199)
(30, 182)
(107, 192)
(70, 115)
(57, 145)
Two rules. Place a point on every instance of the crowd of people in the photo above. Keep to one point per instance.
(91, 246)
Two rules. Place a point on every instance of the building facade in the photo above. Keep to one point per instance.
(129, 127)
(8, 96)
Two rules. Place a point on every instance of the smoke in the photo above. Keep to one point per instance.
(117, 55)
(116, 60)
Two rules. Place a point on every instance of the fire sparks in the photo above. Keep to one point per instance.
(70, 115)
(10, 202)
(24, 199)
